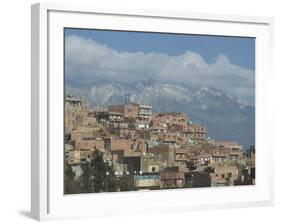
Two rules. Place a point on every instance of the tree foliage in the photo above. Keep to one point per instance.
(98, 175)
(71, 185)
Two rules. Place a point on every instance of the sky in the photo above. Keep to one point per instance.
(226, 63)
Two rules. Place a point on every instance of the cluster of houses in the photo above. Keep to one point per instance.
(156, 150)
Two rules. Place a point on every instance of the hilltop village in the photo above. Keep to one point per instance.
(150, 150)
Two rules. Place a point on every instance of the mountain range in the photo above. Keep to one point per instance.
(226, 117)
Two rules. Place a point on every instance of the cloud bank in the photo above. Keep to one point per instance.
(86, 60)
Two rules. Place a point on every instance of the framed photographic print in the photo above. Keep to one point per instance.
(148, 111)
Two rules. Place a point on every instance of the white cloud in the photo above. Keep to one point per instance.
(88, 60)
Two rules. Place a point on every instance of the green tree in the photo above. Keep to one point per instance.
(71, 185)
(127, 183)
(86, 178)
(97, 175)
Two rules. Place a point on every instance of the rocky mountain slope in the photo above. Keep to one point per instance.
(226, 117)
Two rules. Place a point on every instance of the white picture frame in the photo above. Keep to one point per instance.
(48, 201)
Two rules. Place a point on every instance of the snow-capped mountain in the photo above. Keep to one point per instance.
(226, 117)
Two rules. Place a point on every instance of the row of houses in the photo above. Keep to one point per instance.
(155, 150)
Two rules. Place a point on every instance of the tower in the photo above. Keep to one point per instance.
(127, 98)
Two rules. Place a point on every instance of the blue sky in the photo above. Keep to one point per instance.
(240, 50)
(225, 63)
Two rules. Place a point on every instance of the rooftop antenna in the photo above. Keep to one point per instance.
(127, 98)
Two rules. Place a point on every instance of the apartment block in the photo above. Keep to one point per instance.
(145, 112)
(130, 110)
(75, 113)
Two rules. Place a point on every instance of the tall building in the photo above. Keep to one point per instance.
(130, 110)
(75, 112)
(145, 112)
